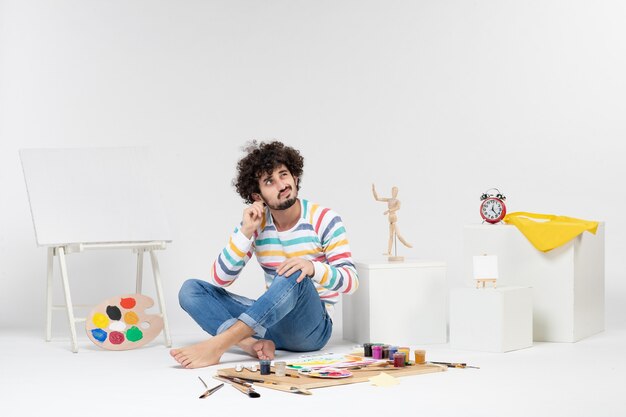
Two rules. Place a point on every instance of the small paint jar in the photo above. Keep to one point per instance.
(377, 352)
(420, 356)
(266, 367)
(392, 350)
(406, 351)
(398, 360)
(280, 368)
(367, 350)
(386, 352)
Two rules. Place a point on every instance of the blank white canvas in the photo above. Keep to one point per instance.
(486, 267)
(93, 195)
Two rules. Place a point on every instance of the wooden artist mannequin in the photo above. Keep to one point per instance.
(393, 205)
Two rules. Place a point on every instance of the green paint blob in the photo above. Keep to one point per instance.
(134, 334)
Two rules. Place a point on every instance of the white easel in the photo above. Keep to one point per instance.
(94, 199)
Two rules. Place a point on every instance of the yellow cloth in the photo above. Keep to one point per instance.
(547, 231)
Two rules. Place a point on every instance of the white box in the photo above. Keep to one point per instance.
(402, 303)
(567, 282)
(491, 319)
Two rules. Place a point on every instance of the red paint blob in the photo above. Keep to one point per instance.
(116, 338)
(128, 303)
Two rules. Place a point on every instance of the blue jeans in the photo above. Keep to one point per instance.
(290, 314)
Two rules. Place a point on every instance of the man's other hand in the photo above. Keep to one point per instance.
(296, 264)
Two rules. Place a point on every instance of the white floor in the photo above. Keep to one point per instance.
(587, 378)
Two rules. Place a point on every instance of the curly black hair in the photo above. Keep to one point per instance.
(263, 158)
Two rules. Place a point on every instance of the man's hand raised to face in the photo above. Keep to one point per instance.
(296, 264)
(252, 217)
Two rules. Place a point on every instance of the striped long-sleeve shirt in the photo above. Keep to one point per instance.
(319, 236)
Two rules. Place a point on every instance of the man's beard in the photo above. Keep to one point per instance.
(285, 204)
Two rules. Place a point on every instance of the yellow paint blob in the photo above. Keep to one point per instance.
(131, 318)
(100, 320)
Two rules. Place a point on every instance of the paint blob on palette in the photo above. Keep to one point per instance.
(328, 372)
(120, 323)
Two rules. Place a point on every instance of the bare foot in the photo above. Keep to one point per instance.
(262, 349)
(210, 351)
(202, 354)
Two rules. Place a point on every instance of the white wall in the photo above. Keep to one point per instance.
(444, 99)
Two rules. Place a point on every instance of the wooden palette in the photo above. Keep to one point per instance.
(120, 323)
(293, 379)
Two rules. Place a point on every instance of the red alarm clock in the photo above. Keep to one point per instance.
(492, 207)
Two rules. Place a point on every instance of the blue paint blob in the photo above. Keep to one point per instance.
(99, 334)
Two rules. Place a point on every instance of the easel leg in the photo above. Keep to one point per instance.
(159, 290)
(139, 270)
(68, 298)
(50, 266)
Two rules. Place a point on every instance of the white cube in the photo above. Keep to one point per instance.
(567, 282)
(491, 319)
(402, 303)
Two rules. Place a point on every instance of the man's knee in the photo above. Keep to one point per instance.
(190, 290)
(290, 281)
(185, 292)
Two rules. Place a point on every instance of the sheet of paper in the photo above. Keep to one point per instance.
(384, 380)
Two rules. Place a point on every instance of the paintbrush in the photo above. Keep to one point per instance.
(240, 385)
(209, 391)
(276, 385)
(269, 384)
(454, 365)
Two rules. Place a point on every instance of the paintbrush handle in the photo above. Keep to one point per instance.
(237, 380)
(250, 392)
(211, 390)
(450, 364)
(454, 365)
(241, 388)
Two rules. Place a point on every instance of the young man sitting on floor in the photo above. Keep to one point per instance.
(303, 251)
